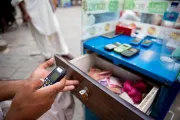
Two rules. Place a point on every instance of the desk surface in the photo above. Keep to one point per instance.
(146, 62)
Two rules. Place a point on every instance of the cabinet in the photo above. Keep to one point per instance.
(161, 79)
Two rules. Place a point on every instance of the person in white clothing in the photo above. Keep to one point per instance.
(44, 27)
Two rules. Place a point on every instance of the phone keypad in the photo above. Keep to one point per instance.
(47, 82)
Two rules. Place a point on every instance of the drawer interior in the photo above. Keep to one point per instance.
(84, 63)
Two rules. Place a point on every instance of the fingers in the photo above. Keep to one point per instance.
(37, 83)
(62, 86)
(72, 82)
(68, 88)
(70, 85)
(52, 89)
(47, 63)
(57, 87)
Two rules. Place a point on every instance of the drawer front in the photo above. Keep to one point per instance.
(99, 99)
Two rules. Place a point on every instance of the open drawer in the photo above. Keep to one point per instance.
(103, 102)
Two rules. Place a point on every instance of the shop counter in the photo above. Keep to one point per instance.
(146, 62)
(160, 77)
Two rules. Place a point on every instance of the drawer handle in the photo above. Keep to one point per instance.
(84, 93)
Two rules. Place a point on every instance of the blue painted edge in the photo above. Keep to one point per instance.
(87, 44)
(89, 115)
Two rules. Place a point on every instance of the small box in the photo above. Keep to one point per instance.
(126, 30)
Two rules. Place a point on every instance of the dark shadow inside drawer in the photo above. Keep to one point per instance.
(99, 99)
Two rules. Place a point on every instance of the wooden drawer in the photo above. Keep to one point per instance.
(103, 102)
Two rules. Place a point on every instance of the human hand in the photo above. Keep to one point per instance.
(26, 17)
(31, 102)
(41, 73)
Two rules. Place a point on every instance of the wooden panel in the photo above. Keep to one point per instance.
(101, 101)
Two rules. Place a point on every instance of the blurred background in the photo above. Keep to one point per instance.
(19, 54)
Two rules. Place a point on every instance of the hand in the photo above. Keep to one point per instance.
(26, 17)
(31, 102)
(41, 73)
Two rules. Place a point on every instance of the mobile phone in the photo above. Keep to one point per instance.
(117, 44)
(136, 41)
(147, 43)
(110, 35)
(110, 47)
(122, 48)
(55, 76)
(130, 52)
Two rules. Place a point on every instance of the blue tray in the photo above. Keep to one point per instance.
(146, 62)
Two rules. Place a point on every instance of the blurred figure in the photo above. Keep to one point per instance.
(153, 19)
(44, 27)
(7, 12)
(130, 15)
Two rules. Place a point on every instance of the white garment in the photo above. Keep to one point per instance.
(49, 45)
(45, 28)
(42, 16)
(61, 109)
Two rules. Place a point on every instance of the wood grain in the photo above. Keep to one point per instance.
(101, 101)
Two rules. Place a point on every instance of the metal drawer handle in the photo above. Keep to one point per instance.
(84, 93)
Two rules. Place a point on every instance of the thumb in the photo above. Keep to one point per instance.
(36, 84)
(52, 89)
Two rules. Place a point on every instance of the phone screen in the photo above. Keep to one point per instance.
(54, 76)
(133, 50)
(147, 41)
(136, 40)
(125, 45)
